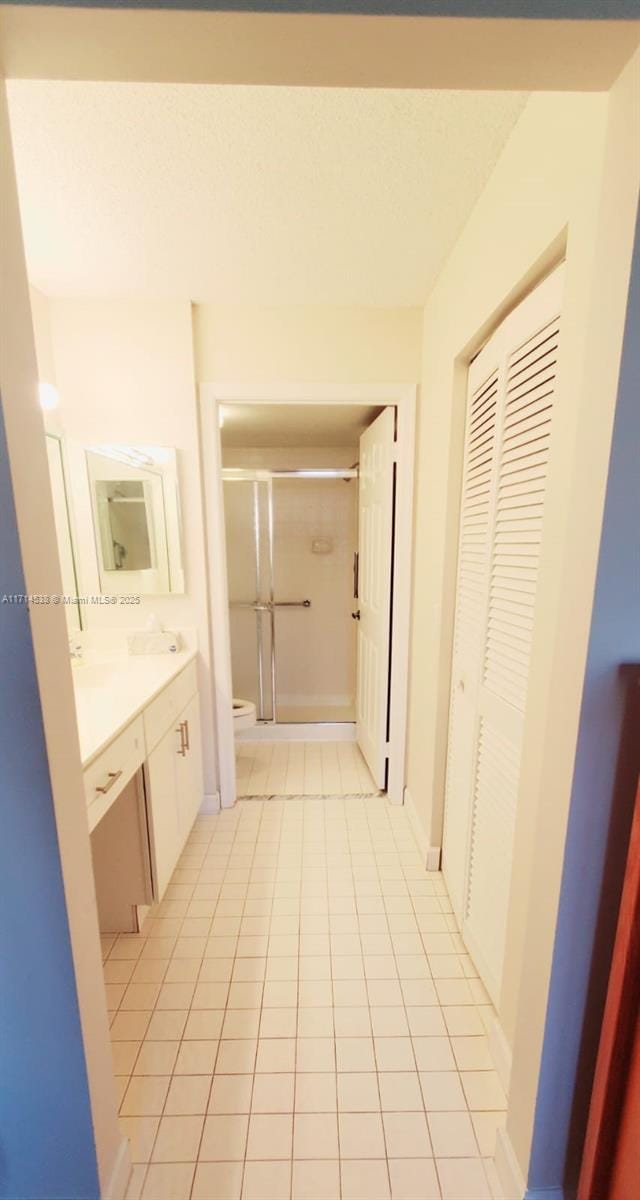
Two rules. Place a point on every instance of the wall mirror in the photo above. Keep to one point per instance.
(136, 519)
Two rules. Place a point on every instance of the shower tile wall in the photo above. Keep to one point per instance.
(315, 647)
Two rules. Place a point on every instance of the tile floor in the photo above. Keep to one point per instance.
(299, 1020)
(302, 769)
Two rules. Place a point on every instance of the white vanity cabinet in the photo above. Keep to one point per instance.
(135, 855)
(173, 772)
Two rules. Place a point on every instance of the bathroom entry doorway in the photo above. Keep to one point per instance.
(309, 505)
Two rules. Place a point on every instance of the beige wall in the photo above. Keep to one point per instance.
(570, 163)
(307, 344)
(124, 371)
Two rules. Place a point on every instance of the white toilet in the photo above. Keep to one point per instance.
(244, 714)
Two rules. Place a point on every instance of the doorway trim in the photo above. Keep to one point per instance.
(402, 396)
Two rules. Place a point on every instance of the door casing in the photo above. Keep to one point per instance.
(402, 396)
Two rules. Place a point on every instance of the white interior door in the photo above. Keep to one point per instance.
(509, 413)
(375, 546)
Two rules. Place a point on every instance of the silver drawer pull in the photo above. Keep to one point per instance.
(106, 787)
(183, 741)
(186, 734)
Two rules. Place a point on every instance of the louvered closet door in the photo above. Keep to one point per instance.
(474, 546)
(526, 346)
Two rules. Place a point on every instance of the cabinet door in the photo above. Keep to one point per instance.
(189, 773)
(162, 801)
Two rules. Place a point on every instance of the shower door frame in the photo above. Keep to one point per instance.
(258, 475)
(402, 397)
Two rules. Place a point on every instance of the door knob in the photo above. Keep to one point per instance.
(356, 615)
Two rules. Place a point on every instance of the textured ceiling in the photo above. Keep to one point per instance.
(313, 425)
(241, 194)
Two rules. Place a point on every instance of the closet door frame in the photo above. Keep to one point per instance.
(534, 311)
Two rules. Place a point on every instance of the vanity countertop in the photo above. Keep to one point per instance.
(110, 693)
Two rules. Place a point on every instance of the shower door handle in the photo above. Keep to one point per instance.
(291, 604)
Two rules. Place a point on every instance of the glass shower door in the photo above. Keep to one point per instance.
(248, 526)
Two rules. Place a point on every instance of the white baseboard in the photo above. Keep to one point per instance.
(500, 1051)
(434, 858)
(430, 853)
(210, 803)
(508, 1169)
(329, 731)
(116, 1188)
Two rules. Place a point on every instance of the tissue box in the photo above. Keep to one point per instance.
(153, 643)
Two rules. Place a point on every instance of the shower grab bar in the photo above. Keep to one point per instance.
(269, 605)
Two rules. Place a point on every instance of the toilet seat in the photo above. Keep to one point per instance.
(244, 714)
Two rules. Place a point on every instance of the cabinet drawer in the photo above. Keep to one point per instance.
(105, 778)
(159, 715)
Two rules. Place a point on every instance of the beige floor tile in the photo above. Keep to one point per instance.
(426, 1021)
(167, 1026)
(217, 1181)
(361, 1135)
(129, 1026)
(266, 1180)
(315, 1054)
(364, 1181)
(316, 1092)
(315, 1022)
(152, 970)
(231, 1094)
(196, 1058)
(270, 1136)
(203, 1025)
(183, 970)
(178, 1139)
(215, 970)
(239, 1022)
(224, 1138)
(273, 1093)
(315, 1180)
(358, 1092)
(442, 1091)
(136, 1182)
(174, 995)
(463, 1179)
(413, 1179)
(394, 1054)
(472, 1053)
(156, 1058)
(315, 1135)
(389, 1022)
(168, 1181)
(188, 1095)
(433, 1054)
(355, 1054)
(118, 970)
(124, 1055)
(352, 1022)
(407, 1135)
(486, 1126)
(483, 1090)
(236, 1057)
(145, 1096)
(451, 1134)
(276, 1054)
(141, 1132)
(462, 1021)
(400, 1091)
